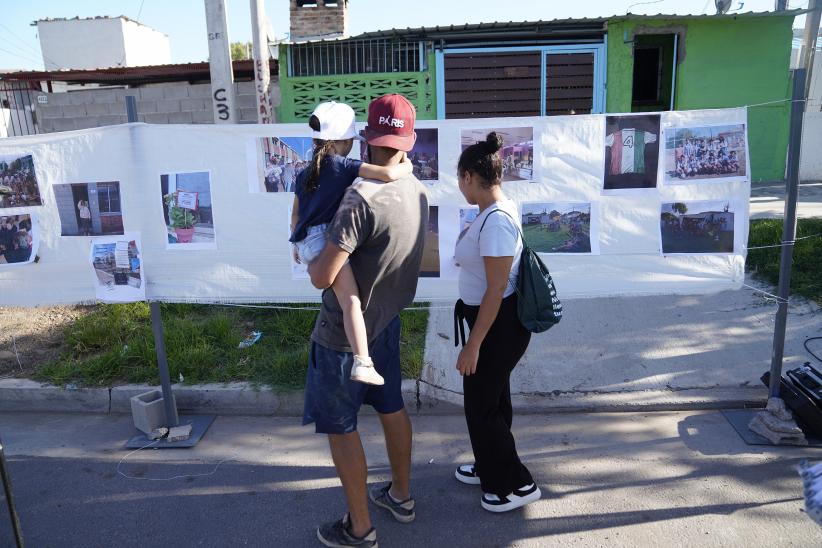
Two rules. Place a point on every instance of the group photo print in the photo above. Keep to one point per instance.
(17, 239)
(282, 158)
(18, 181)
(713, 152)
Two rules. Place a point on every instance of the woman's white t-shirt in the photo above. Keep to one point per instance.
(500, 238)
(85, 212)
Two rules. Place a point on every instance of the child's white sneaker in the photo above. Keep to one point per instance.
(363, 371)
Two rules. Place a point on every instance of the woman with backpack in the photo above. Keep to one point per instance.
(489, 254)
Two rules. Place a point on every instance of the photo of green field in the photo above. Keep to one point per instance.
(557, 227)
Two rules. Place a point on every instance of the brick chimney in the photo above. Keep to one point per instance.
(315, 19)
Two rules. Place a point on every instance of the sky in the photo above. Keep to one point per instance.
(184, 20)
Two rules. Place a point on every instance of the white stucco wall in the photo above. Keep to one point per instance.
(810, 168)
(100, 43)
(144, 45)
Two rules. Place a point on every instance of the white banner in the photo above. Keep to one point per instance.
(619, 205)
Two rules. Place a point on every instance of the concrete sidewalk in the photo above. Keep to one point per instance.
(768, 200)
(654, 479)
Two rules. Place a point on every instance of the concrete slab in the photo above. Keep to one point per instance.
(768, 200)
(26, 395)
(662, 351)
(626, 479)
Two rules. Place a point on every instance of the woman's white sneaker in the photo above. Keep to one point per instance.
(519, 498)
(467, 474)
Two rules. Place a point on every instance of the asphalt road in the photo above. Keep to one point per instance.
(654, 479)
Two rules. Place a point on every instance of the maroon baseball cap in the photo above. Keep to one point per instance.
(391, 122)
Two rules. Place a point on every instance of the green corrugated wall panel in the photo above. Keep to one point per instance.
(299, 96)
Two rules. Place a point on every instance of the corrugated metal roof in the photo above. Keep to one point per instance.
(546, 25)
(135, 75)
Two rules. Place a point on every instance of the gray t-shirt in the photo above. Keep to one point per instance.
(383, 226)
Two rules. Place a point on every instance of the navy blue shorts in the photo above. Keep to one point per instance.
(332, 399)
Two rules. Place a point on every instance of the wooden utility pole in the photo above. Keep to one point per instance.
(262, 72)
(219, 60)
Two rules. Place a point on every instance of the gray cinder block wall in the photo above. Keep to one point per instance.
(170, 103)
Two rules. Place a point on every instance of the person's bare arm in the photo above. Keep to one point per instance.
(497, 270)
(324, 269)
(387, 173)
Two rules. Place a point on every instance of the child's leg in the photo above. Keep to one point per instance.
(348, 295)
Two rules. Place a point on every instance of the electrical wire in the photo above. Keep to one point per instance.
(127, 476)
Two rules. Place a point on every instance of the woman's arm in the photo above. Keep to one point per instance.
(497, 271)
(387, 173)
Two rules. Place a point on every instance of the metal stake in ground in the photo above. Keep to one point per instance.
(15, 520)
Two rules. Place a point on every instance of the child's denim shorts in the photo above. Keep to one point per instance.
(312, 245)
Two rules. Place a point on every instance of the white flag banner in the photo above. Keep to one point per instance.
(655, 203)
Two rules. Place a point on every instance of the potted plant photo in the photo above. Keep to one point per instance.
(182, 220)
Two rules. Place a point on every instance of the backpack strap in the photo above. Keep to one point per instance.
(509, 216)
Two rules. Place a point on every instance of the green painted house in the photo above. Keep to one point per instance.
(628, 63)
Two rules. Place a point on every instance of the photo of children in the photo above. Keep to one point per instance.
(282, 159)
(697, 227)
(517, 150)
(117, 269)
(89, 209)
(18, 239)
(18, 182)
(424, 156)
(430, 267)
(187, 210)
(557, 227)
(705, 153)
(631, 151)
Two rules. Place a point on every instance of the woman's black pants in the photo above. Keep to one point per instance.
(488, 410)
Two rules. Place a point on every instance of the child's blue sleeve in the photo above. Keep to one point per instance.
(351, 168)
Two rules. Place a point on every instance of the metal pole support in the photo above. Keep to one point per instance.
(15, 520)
(157, 321)
(788, 230)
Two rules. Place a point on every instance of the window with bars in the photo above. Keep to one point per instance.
(108, 196)
(355, 57)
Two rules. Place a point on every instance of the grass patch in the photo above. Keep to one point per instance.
(806, 274)
(113, 344)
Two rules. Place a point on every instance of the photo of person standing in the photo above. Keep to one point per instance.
(85, 217)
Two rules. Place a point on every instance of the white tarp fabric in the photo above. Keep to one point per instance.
(250, 261)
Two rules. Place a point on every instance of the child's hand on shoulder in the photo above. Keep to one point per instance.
(407, 168)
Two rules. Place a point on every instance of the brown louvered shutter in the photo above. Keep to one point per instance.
(569, 82)
(480, 85)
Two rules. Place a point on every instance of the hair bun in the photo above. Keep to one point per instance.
(493, 142)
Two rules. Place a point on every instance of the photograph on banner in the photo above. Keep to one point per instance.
(19, 239)
(517, 150)
(697, 227)
(18, 181)
(424, 156)
(700, 153)
(116, 263)
(89, 209)
(280, 159)
(557, 227)
(430, 267)
(187, 210)
(631, 151)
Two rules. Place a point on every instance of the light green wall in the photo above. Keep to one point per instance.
(300, 95)
(724, 63)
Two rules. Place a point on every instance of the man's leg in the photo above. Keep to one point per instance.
(397, 430)
(349, 459)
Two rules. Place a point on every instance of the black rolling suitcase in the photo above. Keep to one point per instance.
(801, 390)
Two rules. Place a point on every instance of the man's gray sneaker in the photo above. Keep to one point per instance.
(402, 511)
(337, 534)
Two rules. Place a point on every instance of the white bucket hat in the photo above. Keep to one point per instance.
(336, 122)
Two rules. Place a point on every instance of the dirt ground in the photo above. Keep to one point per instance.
(31, 336)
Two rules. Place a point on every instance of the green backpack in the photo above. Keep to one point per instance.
(538, 306)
